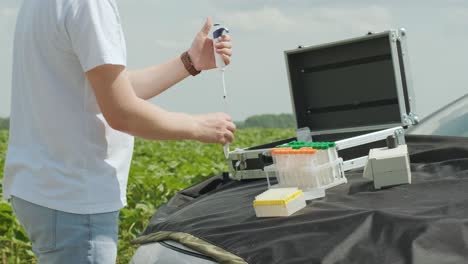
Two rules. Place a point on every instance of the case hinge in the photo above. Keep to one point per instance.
(393, 36)
(410, 119)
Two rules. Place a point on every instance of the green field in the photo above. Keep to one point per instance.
(158, 171)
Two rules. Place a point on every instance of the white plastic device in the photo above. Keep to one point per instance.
(218, 31)
(388, 166)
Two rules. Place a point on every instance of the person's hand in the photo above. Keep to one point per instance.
(215, 128)
(201, 51)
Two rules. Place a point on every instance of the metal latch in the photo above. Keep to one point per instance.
(241, 164)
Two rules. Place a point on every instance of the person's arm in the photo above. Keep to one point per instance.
(151, 81)
(126, 112)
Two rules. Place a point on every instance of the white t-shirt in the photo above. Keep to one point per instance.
(62, 154)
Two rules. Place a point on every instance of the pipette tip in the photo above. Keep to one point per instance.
(226, 151)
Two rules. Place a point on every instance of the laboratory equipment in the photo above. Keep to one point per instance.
(218, 32)
(341, 90)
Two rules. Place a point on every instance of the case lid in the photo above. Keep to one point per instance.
(355, 85)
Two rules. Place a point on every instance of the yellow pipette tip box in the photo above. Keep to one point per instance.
(277, 202)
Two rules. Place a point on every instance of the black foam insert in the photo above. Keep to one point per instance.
(345, 85)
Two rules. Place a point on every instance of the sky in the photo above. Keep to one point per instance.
(157, 30)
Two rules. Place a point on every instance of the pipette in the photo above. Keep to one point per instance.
(218, 32)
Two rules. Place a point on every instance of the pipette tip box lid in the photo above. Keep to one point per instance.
(279, 202)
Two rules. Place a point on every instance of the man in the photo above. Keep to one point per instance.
(75, 108)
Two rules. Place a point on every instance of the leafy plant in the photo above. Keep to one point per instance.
(269, 121)
(4, 123)
(159, 170)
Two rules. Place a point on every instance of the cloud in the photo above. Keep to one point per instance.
(8, 12)
(457, 15)
(455, 22)
(353, 19)
(359, 19)
(170, 44)
(267, 18)
(455, 2)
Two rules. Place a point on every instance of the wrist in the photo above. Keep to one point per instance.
(194, 131)
(193, 58)
(186, 59)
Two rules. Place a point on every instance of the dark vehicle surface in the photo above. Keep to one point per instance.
(450, 121)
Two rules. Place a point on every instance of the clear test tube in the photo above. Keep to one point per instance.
(322, 159)
(276, 161)
(285, 158)
(333, 156)
(281, 163)
(308, 163)
(291, 169)
(336, 174)
(316, 178)
(299, 168)
(322, 155)
(306, 160)
(331, 176)
(281, 178)
(284, 168)
(330, 156)
(312, 165)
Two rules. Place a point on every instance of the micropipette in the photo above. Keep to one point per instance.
(218, 32)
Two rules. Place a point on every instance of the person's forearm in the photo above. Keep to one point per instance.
(125, 111)
(143, 119)
(151, 81)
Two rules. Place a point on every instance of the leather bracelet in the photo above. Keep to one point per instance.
(188, 64)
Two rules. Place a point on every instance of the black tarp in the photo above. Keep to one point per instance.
(425, 222)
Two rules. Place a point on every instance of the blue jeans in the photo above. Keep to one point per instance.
(59, 237)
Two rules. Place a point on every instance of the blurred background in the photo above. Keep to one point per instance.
(262, 30)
